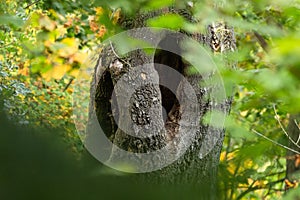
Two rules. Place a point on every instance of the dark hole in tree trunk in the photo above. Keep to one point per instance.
(172, 60)
(103, 100)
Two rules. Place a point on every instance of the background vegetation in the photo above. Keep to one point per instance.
(43, 43)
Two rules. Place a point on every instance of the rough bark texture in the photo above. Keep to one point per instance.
(191, 168)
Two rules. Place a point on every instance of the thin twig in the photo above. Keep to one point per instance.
(277, 118)
(251, 189)
(35, 2)
(67, 86)
(296, 123)
(113, 50)
(281, 145)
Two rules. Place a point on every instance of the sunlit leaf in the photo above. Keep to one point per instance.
(99, 11)
(171, 21)
(156, 4)
(79, 57)
(57, 72)
(67, 47)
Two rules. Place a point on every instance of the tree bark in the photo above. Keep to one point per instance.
(293, 159)
(172, 110)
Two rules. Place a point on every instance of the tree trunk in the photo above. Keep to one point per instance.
(131, 100)
(293, 159)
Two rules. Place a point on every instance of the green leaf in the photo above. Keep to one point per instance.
(171, 21)
(292, 194)
(11, 20)
(156, 4)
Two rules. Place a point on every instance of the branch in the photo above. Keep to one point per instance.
(261, 41)
(31, 4)
(115, 53)
(69, 83)
(250, 189)
(296, 123)
(291, 139)
(281, 145)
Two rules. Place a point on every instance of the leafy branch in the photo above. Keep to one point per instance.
(285, 132)
(251, 189)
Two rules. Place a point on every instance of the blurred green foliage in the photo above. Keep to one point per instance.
(43, 44)
(40, 166)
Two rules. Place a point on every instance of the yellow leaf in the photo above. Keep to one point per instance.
(231, 155)
(47, 23)
(48, 43)
(248, 37)
(61, 31)
(116, 15)
(223, 156)
(33, 20)
(27, 63)
(57, 72)
(24, 71)
(99, 11)
(60, 71)
(42, 98)
(55, 59)
(69, 41)
(20, 50)
(248, 163)
(47, 75)
(74, 72)
(70, 47)
(34, 98)
(231, 168)
(80, 57)
(56, 15)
